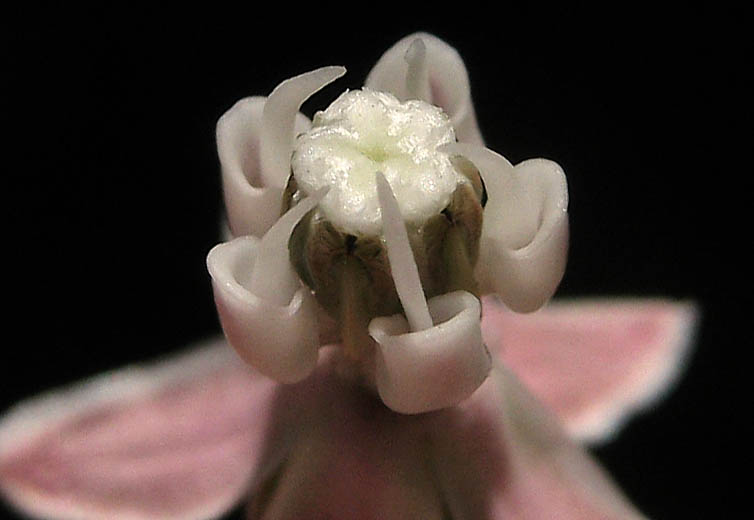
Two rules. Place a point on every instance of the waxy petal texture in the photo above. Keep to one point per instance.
(444, 81)
(279, 340)
(177, 440)
(433, 356)
(252, 206)
(525, 231)
(433, 368)
(594, 362)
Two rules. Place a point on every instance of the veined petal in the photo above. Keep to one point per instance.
(500, 455)
(252, 206)
(433, 368)
(281, 341)
(180, 439)
(443, 80)
(525, 230)
(594, 363)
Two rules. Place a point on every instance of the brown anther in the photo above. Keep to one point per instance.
(354, 316)
(291, 187)
(458, 264)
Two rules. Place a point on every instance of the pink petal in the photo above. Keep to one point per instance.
(500, 455)
(179, 439)
(593, 363)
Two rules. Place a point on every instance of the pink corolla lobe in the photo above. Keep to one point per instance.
(189, 437)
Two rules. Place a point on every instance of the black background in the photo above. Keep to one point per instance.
(112, 186)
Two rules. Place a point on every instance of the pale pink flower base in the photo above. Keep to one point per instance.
(191, 436)
(497, 455)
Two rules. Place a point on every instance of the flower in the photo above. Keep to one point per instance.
(410, 212)
(191, 436)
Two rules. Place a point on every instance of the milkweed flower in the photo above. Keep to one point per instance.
(398, 223)
(379, 368)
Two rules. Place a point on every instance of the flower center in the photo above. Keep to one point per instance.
(338, 249)
(363, 132)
